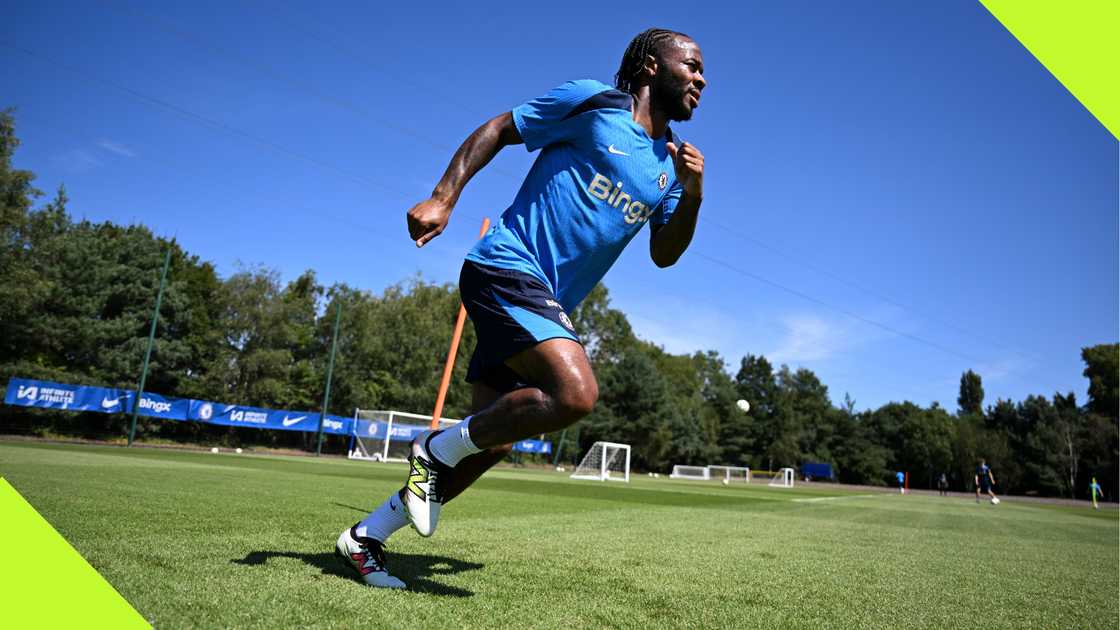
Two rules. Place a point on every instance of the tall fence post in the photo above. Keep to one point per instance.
(148, 352)
(330, 372)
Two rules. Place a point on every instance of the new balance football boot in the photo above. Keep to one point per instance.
(423, 491)
(366, 557)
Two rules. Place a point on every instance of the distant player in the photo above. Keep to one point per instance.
(608, 164)
(943, 485)
(985, 481)
(1095, 491)
(901, 477)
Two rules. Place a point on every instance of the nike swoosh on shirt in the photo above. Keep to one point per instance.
(615, 151)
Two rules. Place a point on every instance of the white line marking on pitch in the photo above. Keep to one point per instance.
(850, 496)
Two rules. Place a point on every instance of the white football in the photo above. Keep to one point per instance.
(995, 500)
(725, 482)
(239, 451)
(214, 449)
(743, 406)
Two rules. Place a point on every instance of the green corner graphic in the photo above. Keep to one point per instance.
(1077, 42)
(45, 582)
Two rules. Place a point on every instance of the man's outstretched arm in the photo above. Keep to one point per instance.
(427, 219)
(668, 242)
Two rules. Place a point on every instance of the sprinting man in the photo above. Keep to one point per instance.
(608, 164)
(985, 481)
(1095, 491)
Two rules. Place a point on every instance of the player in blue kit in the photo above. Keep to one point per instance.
(608, 164)
(985, 482)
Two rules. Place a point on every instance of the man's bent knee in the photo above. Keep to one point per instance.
(576, 401)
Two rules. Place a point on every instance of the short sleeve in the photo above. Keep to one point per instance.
(548, 119)
(668, 205)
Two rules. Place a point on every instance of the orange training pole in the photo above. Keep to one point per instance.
(450, 363)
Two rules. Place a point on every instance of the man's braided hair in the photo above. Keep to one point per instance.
(648, 42)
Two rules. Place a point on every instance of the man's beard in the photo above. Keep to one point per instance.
(670, 98)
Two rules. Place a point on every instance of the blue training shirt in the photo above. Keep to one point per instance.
(598, 179)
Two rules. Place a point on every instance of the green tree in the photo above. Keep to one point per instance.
(392, 348)
(1099, 435)
(971, 398)
(860, 459)
(634, 409)
(1102, 368)
(20, 284)
(751, 435)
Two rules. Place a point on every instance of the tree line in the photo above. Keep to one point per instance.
(78, 298)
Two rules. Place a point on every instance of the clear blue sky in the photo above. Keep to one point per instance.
(895, 192)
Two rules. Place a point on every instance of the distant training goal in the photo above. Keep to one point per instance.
(730, 474)
(385, 436)
(713, 472)
(690, 472)
(605, 461)
(782, 478)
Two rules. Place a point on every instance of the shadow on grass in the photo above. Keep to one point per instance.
(356, 509)
(414, 569)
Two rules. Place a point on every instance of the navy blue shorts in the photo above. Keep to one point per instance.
(511, 312)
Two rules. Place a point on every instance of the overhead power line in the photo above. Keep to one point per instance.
(272, 146)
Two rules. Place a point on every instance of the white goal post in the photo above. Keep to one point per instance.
(605, 461)
(690, 472)
(730, 473)
(385, 436)
(782, 478)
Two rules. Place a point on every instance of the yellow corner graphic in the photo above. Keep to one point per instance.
(1077, 42)
(45, 582)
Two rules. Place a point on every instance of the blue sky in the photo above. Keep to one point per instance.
(894, 192)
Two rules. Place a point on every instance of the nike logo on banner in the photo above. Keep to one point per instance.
(109, 403)
(290, 421)
(615, 151)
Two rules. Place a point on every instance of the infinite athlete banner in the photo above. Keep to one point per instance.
(243, 416)
(48, 395)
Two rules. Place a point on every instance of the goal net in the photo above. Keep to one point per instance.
(385, 436)
(605, 461)
(740, 474)
(690, 472)
(782, 478)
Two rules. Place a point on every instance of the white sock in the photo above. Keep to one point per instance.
(382, 522)
(451, 445)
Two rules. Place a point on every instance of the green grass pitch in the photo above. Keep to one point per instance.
(197, 539)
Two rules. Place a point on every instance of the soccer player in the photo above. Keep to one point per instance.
(609, 163)
(985, 481)
(1095, 491)
(943, 485)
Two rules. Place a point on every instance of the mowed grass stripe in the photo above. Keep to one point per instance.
(194, 539)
